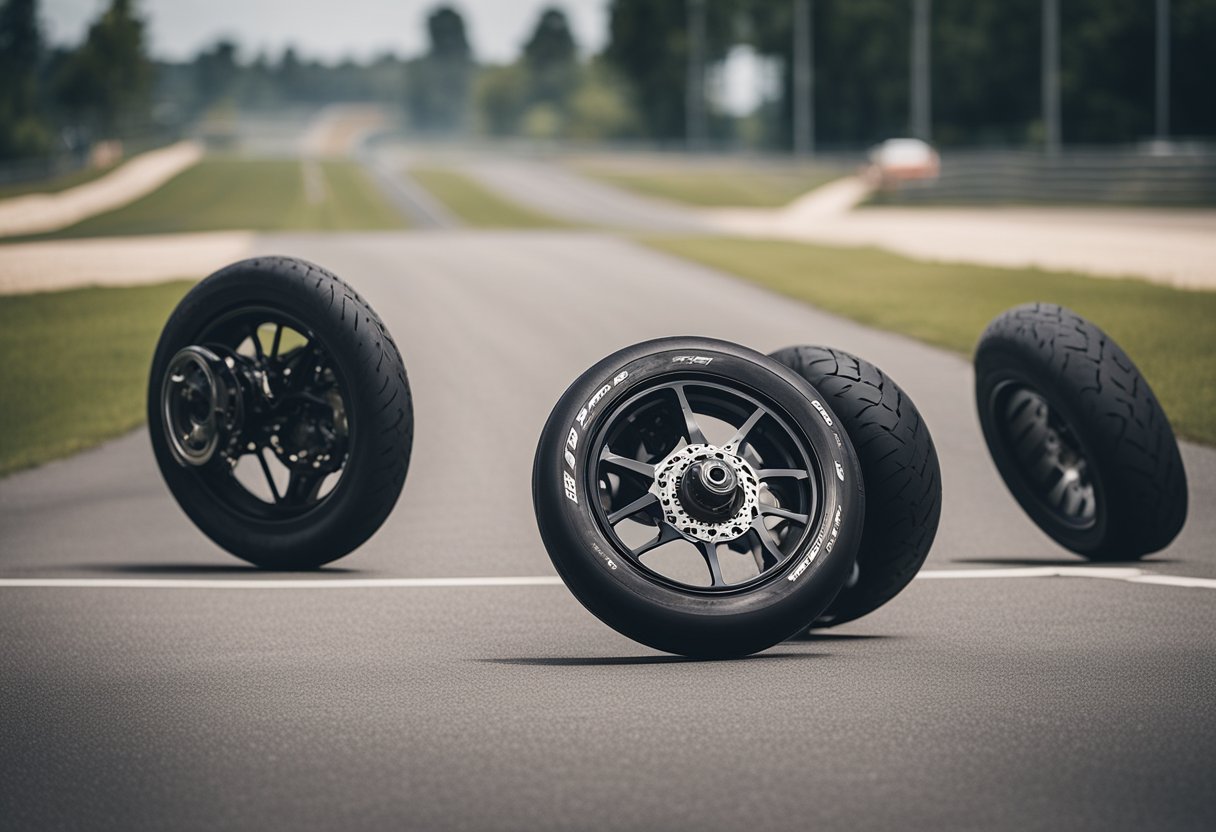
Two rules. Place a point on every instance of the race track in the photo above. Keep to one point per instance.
(175, 694)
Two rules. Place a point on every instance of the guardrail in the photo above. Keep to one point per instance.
(1172, 176)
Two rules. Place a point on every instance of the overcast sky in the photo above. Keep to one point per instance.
(335, 29)
(330, 29)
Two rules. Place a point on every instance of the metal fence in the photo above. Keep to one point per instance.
(1171, 175)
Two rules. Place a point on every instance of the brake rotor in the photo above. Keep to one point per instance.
(669, 475)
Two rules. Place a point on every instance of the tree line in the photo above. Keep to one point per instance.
(985, 67)
(985, 75)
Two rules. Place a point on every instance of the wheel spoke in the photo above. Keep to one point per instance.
(695, 434)
(776, 511)
(257, 343)
(302, 486)
(667, 533)
(774, 473)
(625, 463)
(295, 361)
(769, 552)
(274, 489)
(633, 508)
(709, 551)
(736, 441)
(278, 336)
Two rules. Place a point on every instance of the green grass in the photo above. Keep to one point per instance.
(74, 367)
(220, 194)
(55, 184)
(717, 187)
(477, 206)
(1170, 333)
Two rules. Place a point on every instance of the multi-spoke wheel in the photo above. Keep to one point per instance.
(280, 413)
(1078, 435)
(696, 496)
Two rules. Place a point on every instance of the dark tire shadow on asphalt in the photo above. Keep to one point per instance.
(609, 661)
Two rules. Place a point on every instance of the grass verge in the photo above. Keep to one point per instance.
(222, 194)
(74, 367)
(478, 206)
(729, 187)
(1170, 333)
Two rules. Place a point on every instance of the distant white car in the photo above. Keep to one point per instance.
(902, 160)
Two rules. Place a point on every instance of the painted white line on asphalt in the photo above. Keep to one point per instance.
(1118, 573)
(274, 583)
(1128, 574)
(1175, 580)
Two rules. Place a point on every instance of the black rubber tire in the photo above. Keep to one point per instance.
(899, 466)
(662, 616)
(1108, 411)
(379, 411)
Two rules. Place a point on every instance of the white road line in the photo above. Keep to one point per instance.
(275, 583)
(1175, 580)
(1118, 573)
(1128, 574)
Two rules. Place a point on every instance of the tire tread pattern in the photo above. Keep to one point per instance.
(373, 345)
(899, 466)
(1128, 426)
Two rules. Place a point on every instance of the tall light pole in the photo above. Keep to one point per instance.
(1163, 69)
(1051, 76)
(694, 92)
(919, 120)
(804, 80)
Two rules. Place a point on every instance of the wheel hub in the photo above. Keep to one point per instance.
(311, 434)
(708, 493)
(1050, 458)
(201, 404)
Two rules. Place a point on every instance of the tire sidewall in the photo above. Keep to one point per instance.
(620, 592)
(322, 533)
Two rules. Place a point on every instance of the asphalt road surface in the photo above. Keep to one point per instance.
(184, 696)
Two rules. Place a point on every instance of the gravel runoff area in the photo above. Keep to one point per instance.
(338, 130)
(117, 261)
(38, 213)
(1175, 247)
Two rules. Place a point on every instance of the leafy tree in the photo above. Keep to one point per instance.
(289, 75)
(1193, 31)
(600, 107)
(501, 98)
(552, 59)
(107, 81)
(217, 73)
(986, 69)
(648, 45)
(861, 68)
(438, 85)
(22, 130)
